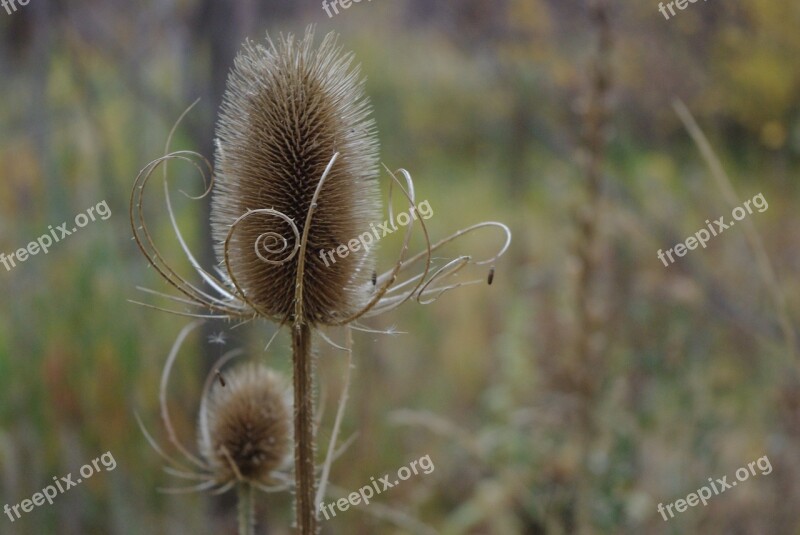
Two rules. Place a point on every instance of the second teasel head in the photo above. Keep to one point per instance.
(244, 427)
(288, 108)
(246, 432)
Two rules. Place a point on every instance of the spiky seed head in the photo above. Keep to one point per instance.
(249, 425)
(287, 109)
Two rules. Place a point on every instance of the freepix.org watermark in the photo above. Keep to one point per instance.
(45, 241)
(11, 5)
(63, 484)
(702, 236)
(366, 493)
(680, 4)
(335, 4)
(365, 240)
(703, 494)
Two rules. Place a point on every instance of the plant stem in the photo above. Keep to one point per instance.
(591, 344)
(304, 430)
(247, 509)
(305, 481)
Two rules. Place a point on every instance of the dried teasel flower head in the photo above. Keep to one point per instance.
(244, 427)
(296, 178)
(247, 433)
(287, 110)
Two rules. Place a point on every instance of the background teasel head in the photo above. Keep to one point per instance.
(287, 110)
(244, 427)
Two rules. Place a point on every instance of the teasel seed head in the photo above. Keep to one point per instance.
(288, 108)
(248, 425)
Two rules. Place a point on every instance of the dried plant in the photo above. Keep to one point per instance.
(295, 221)
(287, 110)
(244, 432)
(297, 173)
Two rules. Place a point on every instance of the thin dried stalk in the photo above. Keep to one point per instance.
(588, 328)
(725, 185)
(304, 430)
(247, 508)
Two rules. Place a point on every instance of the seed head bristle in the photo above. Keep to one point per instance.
(288, 108)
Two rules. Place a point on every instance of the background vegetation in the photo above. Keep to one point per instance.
(547, 404)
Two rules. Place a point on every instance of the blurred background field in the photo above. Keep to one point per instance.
(548, 405)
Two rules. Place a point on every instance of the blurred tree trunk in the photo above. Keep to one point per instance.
(216, 31)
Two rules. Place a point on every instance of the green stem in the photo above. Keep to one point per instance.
(247, 509)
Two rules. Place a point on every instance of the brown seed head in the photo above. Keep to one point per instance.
(287, 109)
(248, 425)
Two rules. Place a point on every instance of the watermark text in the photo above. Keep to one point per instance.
(62, 484)
(375, 487)
(335, 4)
(703, 494)
(45, 241)
(702, 236)
(365, 240)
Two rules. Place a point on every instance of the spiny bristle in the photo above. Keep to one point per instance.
(249, 425)
(287, 109)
